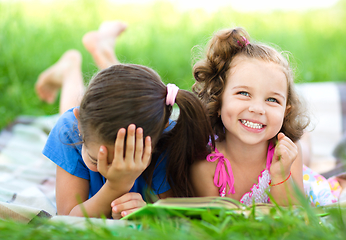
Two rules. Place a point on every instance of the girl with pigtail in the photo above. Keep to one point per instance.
(257, 117)
(119, 140)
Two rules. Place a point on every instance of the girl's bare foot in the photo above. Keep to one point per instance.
(51, 80)
(101, 43)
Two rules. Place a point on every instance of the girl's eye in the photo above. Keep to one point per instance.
(93, 163)
(244, 94)
(272, 100)
(92, 160)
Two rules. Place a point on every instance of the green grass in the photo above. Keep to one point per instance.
(34, 34)
(292, 224)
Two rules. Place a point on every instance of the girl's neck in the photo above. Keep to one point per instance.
(236, 151)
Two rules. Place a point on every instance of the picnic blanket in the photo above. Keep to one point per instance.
(27, 178)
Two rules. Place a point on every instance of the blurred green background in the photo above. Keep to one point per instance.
(34, 34)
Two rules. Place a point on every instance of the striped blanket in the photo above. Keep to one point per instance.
(27, 178)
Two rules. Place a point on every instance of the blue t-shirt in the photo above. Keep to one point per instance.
(64, 148)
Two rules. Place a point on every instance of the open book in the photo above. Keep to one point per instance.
(193, 207)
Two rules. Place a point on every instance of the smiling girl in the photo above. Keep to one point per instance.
(257, 117)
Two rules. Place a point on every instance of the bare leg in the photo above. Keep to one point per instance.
(101, 43)
(65, 75)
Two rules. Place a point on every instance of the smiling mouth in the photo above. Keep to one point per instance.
(251, 124)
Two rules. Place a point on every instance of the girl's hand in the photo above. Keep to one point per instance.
(285, 153)
(126, 204)
(126, 167)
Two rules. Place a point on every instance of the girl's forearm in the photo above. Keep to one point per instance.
(284, 194)
(100, 204)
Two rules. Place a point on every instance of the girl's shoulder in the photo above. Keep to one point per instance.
(67, 117)
(202, 175)
(67, 122)
(64, 147)
(203, 166)
(65, 130)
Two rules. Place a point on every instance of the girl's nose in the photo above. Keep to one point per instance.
(257, 107)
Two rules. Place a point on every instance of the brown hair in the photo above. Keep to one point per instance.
(210, 74)
(133, 94)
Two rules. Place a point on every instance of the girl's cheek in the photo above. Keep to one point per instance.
(91, 166)
(88, 163)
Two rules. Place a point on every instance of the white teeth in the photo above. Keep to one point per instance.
(251, 124)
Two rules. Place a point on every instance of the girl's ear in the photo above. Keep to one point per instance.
(76, 113)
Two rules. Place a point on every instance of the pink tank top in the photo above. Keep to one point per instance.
(257, 193)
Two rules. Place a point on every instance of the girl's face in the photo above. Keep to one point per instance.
(254, 101)
(90, 154)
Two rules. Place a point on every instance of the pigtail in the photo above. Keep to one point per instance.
(188, 142)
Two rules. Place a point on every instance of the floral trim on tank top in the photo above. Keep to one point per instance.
(258, 193)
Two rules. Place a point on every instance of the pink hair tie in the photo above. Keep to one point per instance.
(172, 91)
(246, 42)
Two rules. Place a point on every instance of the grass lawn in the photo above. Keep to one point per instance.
(291, 224)
(34, 34)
